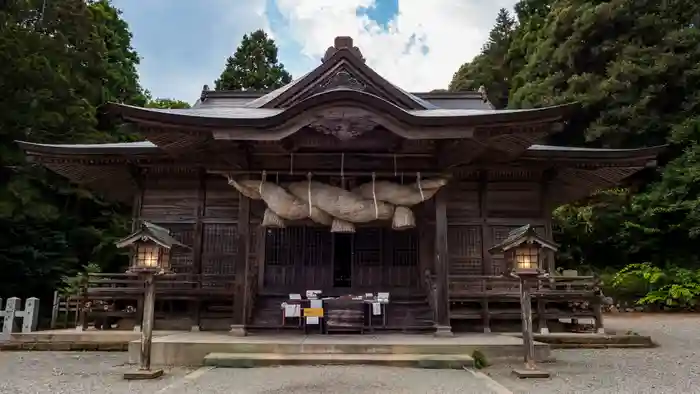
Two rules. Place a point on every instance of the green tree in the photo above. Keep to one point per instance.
(60, 61)
(490, 68)
(634, 65)
(254, 66)
(167, 103)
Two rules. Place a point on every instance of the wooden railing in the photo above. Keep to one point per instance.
(467, 286)
(170, 286)
(105, 296)
(488, 298)
(64, 311)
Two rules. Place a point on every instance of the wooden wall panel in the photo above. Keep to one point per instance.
(464, 248)
(169, 199)
(513, 199)
(222, 199)
(462, 201)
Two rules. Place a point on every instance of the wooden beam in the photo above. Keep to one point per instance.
(442, 264)
(346, 162)
(460, 152)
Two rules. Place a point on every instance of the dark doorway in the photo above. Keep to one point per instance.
(342, 260)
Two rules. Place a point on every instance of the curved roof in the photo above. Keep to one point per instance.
(534, 151)
(438, 99)
(230, 117)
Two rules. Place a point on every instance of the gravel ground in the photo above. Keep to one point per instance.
(334, 380)
(74, 373)
(672, 368)
(83, 373)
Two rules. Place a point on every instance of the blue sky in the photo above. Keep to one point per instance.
(414, 43)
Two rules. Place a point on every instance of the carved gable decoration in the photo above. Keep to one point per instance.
(344, 123)
(343, 67)
(342, 78)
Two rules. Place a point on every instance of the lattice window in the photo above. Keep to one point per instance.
(404, 247)
(285, 246)
(219, 248)
(368, 243)
(182, 260)
(318, 241)
(464, 247)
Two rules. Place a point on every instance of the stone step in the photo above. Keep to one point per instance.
(251, 360)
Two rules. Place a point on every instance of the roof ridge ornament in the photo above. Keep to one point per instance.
(342, 42)
(484, 94)
(204, 95)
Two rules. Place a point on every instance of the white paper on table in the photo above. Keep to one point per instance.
(383, 297)
(295, 296)
(376, 308)
(316, 303)
(292, 310)
(312, 320)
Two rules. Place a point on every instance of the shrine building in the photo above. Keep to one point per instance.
(203, 173)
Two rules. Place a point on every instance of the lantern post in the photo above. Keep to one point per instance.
(151, 246)
(524, 250)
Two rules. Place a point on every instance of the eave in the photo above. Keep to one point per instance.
(576, 172)
(574, 156)
(266, 124)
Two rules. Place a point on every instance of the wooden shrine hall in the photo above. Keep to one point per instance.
(343, 183)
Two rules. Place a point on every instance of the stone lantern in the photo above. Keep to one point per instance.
(151, 246)
(524, 250)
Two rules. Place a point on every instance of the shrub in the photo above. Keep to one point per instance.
(669, 288)
(480, 360)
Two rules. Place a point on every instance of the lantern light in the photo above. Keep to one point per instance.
(152, 245)
(526, 256)
(523, 248)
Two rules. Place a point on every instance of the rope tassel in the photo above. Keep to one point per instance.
(420, 188)
(262, 180)
(308, 177)
(374, 196)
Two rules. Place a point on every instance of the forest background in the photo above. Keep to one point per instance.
(633, 65)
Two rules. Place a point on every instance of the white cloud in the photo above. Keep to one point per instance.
(453, 31)
(185, 45)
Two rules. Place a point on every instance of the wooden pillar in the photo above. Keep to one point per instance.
(198, 239)
(242, 286)
(541, 316)
(526, 313)
(598, 315)
(546, 213)
(442, 265)
(486, 241)
(148, 319)
(137, 176)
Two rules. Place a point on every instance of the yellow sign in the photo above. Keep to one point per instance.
(313, 312)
